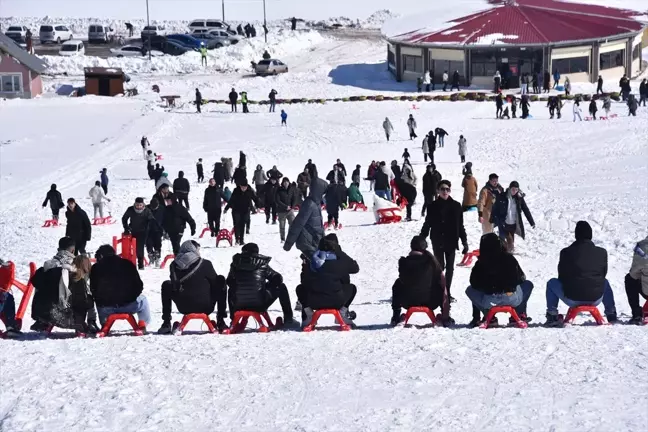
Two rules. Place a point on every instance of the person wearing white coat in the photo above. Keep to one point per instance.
(411, 125)
(98, 197)
(426, 80)
(445, 80)
(426, 148)
(463, 148)
(387, 126)
(577, 111)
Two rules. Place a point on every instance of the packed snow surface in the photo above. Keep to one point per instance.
(374, 378)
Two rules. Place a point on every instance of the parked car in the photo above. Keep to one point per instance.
(100, 33)
(221, 36)
(55, 33)
(185, 39)
(17, 33)
(72, 48)
(134, 51)
(233, 36)
(271, 67)
(166, 46)
(207, 24)
(153, 30)
(211, 41)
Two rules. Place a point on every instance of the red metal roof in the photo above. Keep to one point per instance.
(525, 22)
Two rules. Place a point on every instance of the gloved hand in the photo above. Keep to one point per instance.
(465, 249)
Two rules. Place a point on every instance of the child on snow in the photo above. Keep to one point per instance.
(406, 155)
(284, 117)
(463, 148)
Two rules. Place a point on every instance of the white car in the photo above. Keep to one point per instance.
(234, 37)
(134, 51)
(72, 48)
(55, 33)
(222, 36)
(207, 24)
(153, 30)
(17, 33)
(100, 33)
(270, 67)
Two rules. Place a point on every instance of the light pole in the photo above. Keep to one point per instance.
(264, 22)
(223, 6)
(148, 23)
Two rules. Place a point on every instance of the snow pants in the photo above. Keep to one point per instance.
(187, 304)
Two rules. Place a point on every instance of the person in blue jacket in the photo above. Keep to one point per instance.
(104, 180)
(556, 77)
(284, 117)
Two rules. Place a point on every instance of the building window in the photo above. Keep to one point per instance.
(483, 69)
(636, 52)
(412, 63)
(571, 65)
(391, 57)
(612, 59)
(449, 66)
(11, 83)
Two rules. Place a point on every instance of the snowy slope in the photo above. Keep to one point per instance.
(371, 379)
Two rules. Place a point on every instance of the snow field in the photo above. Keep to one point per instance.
(373, 378)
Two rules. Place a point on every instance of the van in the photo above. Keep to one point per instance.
(55, 33)
(100, 33)
(207, 24)
(72, 48)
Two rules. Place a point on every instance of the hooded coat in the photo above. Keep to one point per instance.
(422, 280)
(219, 174)
(329, 273)
(78, 225)
(259, 177)
(54, 198)
(307, 229)
(97, 195)
(470, 186)
(248, 276)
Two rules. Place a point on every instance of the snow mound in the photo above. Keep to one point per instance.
(378, 18)
(373, 22)
(234, 58)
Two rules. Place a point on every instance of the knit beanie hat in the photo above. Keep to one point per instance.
(139, 200)
(583, 231)
(418, 244)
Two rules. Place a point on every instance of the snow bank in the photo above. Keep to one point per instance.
(373, 22)
(234, 58)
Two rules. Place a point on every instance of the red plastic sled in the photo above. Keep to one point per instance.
(336, 314)
(103, 221)
(468, 258)
(503, 309)
(8, 280)
(420, 309)
(167, 258)
(225, 235)
(138, 327)
(204, 231)
(388, 215)
(51, 223)
(240, 320)
(593, 310)
(357, 206)
(195, 316)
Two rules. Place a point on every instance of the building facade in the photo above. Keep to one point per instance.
(524, 37)
(20, 72)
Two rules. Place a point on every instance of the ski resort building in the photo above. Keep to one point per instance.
(20, 72)
(524, 36)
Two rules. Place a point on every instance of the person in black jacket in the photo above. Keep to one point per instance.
(455, 81)
(78, 226)
(274, 173)
(497, 280)
(396, 170)
(333, 204)
(242, 202)
(420, 283)
(327, 284)
(181, 189)
(199, 101)
(440, 136)
(254, 285)
(507, 215)
(116, 286)
(174, 222)
(341, 166)
(581, 277)
(55, 201)
(444, 223)
(212, 204)
(155, 233)
(269, 199)
(136, 222)
(431, 179)
(219, 174)
(285, 201)
(355, 175)
(194, 287)
(242, 162)
(311, 168)
(233, 98)
(240, 176)
(199, 171)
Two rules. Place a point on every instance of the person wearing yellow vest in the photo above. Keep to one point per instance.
(203, 54)
(244, 102)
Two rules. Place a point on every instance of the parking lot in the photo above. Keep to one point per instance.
(96, 50)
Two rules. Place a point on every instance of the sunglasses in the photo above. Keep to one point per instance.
(445, 189)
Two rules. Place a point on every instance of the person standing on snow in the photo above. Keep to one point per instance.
(272, 97)
(199, 171)
(407, 187)
(455, 81)
(431, 179)
(155, 233)
(624, 84)
(244, 102)
(499, 104)
(411, 125)
(643, 92)
(181, 189)
(440, 136)
(487, 197)
(198, 101)
(556, 77)
(497, 80)
(470, 186)
(212, 204)
(333, 204)
(270, 199)
(599, 85)
(233, 98)
(78, 226)
(104, 180)
(259, 178)
(632, 105)
(242, 203)
(567, 86)
(284, 118)
(577, 111)
(525, 106)
(546, 81)
(355, 175)
(381, 182)
(426, 80)
(463, 148)
(387, 126)
(445, 80)
(593, 109)
(507, 215)
(445, 226)
(175, 221)
(203, 54)
(425, 147)
(55, 201)
(136, 222)
(607, 105)
(145, 146)
(98, 196)
(286, 200)
(303, 182)
(311, 168)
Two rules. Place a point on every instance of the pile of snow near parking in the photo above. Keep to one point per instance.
(234, 58)
(374, 22)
